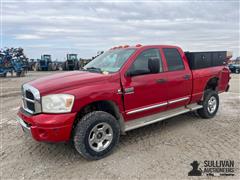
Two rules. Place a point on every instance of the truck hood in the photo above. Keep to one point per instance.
(65, 81)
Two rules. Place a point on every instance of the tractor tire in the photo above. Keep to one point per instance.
(67, 66)
(18, 74)
(49, 68)
(3, 75)
(237, 71)
(210, 105)
(54, 67)
(76, 67)
(96, 135)
(23, 73)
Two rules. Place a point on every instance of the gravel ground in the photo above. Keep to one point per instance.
(160, 151)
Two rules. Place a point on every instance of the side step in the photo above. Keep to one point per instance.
(137, 123)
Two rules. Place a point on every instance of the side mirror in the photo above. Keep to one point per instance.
(129, 73)
(153, 65)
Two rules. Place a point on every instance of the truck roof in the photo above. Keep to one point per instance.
(139, 46)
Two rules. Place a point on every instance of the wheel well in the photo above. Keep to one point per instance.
(212, 84)
(106, 106)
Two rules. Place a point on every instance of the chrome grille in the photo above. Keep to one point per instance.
(31, 99)
(29, 95)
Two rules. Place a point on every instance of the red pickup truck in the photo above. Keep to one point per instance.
(123, 89)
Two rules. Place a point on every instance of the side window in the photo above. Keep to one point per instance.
(141, 63)
(173, 58)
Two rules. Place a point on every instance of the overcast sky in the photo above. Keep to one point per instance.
(60, 27)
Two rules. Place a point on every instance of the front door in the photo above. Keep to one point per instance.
(145, 93)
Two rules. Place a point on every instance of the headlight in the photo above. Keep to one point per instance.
(57, 103)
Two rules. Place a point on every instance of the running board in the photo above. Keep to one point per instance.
(137, 123)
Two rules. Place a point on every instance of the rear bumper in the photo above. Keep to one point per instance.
(47, 127)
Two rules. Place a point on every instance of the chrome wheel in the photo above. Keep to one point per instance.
(100, 137)
(212, 104)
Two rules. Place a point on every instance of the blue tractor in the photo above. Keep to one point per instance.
(12, 60)
(45, 63)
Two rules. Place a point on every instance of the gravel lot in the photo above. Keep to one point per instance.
(162, 150)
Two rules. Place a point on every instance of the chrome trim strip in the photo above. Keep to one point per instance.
(129, 90)
(28, 99)
(28, 110)
(32, 89)
(147, 122)
(24, 126)
(22, 123)
(129, 93)
(178, 100)
(137, 123)
(147, 108)
(158, 105)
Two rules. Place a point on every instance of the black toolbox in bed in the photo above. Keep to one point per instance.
(199, 60)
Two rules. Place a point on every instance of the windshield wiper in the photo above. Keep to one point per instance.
(94, 69)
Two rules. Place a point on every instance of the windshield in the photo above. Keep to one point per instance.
(46, 57)
(72, 56)
(110, 61)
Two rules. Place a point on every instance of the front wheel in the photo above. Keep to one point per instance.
(96, 135)
(210, 104)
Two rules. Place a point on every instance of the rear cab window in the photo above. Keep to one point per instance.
(174, 59)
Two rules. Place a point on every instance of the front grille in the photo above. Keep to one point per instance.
(29, 95)
(31, 106)
(31, 99)
(42, 63)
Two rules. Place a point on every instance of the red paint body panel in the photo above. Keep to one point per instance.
(91, 87)
(143, 95)
(50, 127)
(201, 77)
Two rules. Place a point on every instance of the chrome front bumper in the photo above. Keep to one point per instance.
(26, 128)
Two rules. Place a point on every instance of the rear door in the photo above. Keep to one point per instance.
(145, 94)
(179, 78)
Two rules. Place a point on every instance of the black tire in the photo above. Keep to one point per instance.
(76, 66)
(67, 66)
(49, 67)
(205, 112)
(3, 75)
(85, 126)
(19, 74)
(22, 74)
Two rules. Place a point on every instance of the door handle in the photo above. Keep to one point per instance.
(161, 81)
(187, 76)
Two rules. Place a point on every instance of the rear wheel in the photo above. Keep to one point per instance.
(96, 135)
(210, 104)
